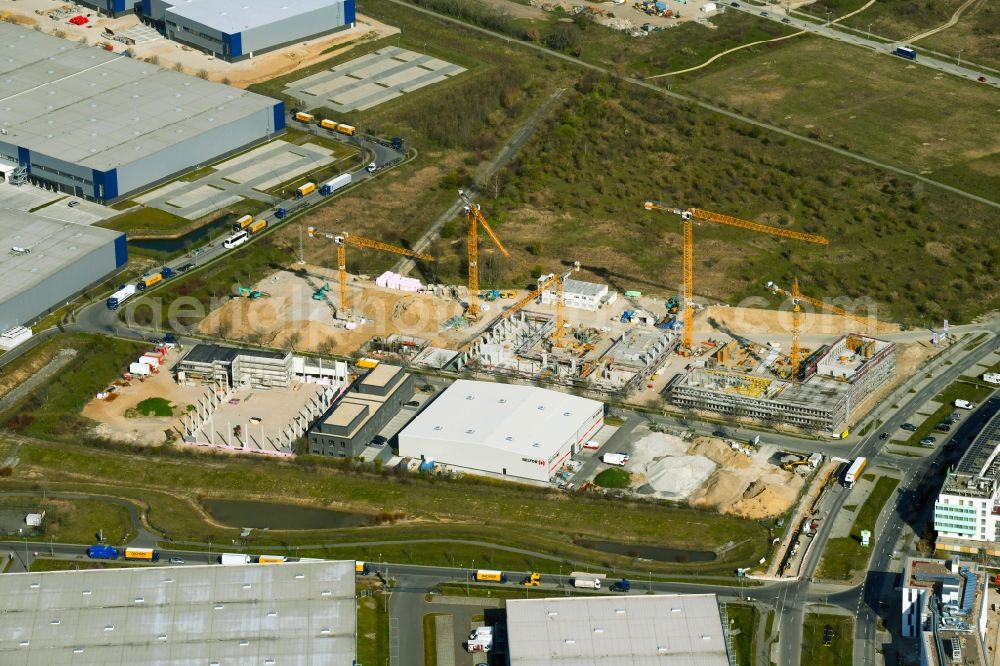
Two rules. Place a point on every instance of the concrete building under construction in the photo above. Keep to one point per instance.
(837, 379)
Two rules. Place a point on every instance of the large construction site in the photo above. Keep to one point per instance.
(816, 370)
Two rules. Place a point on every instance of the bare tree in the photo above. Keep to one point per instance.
(178, 67)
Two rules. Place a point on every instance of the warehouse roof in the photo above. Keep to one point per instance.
(522, 419)
(660, 630)
(293, 613)
(233, 16)
(45, 247)
(99, 109)
(211, 353)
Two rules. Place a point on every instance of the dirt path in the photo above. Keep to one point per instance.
(856, 11)
(952, 21)
(727, 52)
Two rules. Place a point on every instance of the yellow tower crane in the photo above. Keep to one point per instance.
(797, 298)
(688, 215)
(560, 282)
(345, 239)
(475, 219)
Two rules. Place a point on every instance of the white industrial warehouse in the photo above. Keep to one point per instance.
(295, 613)
(661, 629)
(102, 125)
(236, 29)
(505, 429)
(45, 262)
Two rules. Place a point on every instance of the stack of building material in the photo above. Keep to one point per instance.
(391, 280)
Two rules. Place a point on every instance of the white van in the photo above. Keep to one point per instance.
(615, 459)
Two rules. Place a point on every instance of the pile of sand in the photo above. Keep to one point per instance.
(677, 477)
(761, 500)
(719, 452)
(652, 446)
(759, 321)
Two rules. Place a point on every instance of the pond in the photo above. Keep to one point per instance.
(239, 513)
(648, 552)
(187, 241)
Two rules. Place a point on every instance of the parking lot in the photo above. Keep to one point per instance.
(54, 205)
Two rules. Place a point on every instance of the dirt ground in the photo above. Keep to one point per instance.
(110, 414)
(289, 316)
(171, 54)
(748, 487)
(11, 379)
(756, 320)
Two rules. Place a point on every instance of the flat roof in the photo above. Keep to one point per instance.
(381, 375)
(103, 110)
(53, 246)
(233, 16)
(522, 419)
(654, 630)
(293, 613)
(212, 353)
(977, 473)
(344, 413)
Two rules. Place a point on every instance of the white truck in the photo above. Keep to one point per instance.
(119, 297)
(615, 459)
(232, 559)
(587, 581)
(480, 640)
(992, 378)
(964, 404)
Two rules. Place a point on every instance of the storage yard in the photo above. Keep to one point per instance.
(243, 417)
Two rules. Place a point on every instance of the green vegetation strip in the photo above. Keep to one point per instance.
(743, 622)
(373, 624)
(430, 638)
(49, 564)
(845, 556)
(840, 651)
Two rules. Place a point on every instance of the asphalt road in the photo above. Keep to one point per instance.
(793, 604)
(832, 31)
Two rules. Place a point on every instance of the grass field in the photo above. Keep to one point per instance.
(373, 624)
(613, 478)
(976, 34)
(171, 487)
(155, 407)
(76, 520)
(845, 556)
(839, 652)
(53, 410)
(882, 107)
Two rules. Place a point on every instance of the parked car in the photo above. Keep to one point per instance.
(735, 4)
(718, 433)
(909, 426)
(379, 440)
(185, 268)
(73, 204)
(763, 13)
(412, 403)
(981, 79)
(943, 427)
(198, 250)
(883, 435)
(928, 441)
(177, 560)
(786, 20)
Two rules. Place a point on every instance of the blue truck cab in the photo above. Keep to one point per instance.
(102, 552)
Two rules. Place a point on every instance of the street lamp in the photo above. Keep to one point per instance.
(960, 57)
(870, 31)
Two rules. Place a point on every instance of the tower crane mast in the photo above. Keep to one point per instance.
(688, 215)
(475, 217)
(342, 240)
